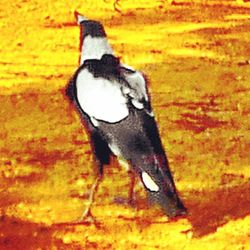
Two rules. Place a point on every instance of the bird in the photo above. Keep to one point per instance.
(114, 104)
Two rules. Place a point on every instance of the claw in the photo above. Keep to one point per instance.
(87, 218)
(129, 202)
(117, 6)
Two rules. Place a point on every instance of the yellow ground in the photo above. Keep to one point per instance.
(196, 56)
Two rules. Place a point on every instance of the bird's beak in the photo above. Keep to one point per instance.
(79, 17)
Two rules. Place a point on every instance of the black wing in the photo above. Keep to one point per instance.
(150, 138)
(98, 143)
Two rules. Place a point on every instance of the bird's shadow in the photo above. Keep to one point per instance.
(209, 210)
(20, 234)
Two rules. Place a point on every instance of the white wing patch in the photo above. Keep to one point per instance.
(137, 104)
(115, 150)
(136, 82)
(124, 164)
(101, 98)
(94, 48)
(138, 88)
(94, 121)
(149, 183)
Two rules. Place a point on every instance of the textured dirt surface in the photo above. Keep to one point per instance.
(197, 57)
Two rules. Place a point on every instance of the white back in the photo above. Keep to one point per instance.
(94, 48)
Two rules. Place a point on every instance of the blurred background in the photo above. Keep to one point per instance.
(196, 55)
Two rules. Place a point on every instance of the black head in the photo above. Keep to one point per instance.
(89, 27)
(92, 28)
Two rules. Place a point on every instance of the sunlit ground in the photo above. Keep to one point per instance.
(197, 57)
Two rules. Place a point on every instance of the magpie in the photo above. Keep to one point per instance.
(113, 102)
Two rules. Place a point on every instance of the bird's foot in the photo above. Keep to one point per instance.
(132, 203)
(88, 218)
(123, 201)
(117, 6)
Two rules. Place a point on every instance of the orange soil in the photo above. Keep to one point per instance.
(196, 56)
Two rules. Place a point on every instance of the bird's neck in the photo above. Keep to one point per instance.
(94, 48)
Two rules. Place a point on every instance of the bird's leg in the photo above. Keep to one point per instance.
(87, 214)
(117, 6)
(131, 194)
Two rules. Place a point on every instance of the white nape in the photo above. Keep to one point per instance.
(101, 98)
(149, 183)
(95, 48)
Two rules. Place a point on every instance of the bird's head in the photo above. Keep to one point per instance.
(90, 27)
(93, 39)
(79, 17)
